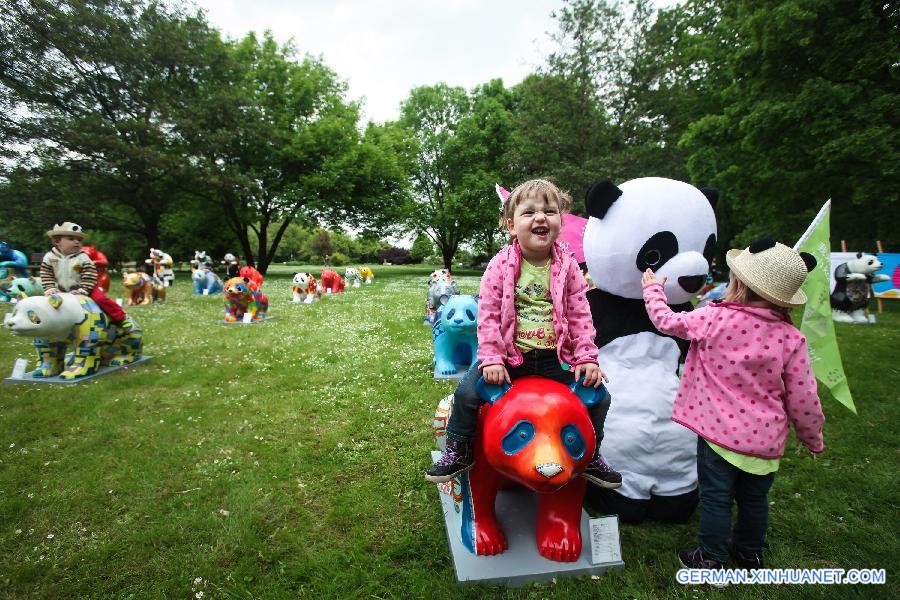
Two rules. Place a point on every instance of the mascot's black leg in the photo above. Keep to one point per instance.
(673, 509)
(603, 501)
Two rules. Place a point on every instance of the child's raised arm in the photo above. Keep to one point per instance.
(686, 325)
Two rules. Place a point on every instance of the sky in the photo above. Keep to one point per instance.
(384, 48)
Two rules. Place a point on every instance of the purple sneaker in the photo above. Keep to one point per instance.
(601, 474)
(693, 558)
(456, 459)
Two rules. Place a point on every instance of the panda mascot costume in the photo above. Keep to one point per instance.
(670, 227)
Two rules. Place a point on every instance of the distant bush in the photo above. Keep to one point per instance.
(338, 259)
(393, 255)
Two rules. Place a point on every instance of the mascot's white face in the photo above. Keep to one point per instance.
(662, 224)
(301, 280)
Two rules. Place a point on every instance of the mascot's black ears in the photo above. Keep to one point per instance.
(712, 194)
(600, 197)
(763, 243)
(809, 260)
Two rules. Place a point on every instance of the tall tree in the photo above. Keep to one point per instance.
(811, 111)
(93, 91)
(284, 144)
(459, 142)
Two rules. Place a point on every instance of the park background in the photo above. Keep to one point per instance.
(287, 460)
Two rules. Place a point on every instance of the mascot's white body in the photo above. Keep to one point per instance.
(668, 226)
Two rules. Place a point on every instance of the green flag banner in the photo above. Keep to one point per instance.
(815, 318)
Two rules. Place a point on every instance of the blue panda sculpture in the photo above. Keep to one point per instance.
(455, 335)
(670, 227)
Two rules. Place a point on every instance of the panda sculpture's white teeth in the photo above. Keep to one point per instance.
(549, 470)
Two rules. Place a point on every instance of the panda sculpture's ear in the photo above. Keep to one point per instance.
(712, 194)
(490, 392)
(809, 260)
(600, 197)
(763, 243)
(588, 395)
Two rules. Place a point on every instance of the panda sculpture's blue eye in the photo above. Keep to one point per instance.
(517, 437)
(450, 313)
(573, 441)
(470, 314)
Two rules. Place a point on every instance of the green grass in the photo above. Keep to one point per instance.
(285, 459)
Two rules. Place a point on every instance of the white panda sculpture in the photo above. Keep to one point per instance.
(668, 226)
(852, 287)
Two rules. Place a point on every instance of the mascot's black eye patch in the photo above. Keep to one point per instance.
(710, 248)
(657, 251)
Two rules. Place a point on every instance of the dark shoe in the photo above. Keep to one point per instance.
(746, 559)
(456, 459)
(693, 558)
(600, 473)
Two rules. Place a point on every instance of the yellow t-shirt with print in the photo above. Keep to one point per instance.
(534, 309)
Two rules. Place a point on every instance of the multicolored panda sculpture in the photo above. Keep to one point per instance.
(241, 298)
(62, 320)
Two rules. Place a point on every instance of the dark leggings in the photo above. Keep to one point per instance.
(467, 402)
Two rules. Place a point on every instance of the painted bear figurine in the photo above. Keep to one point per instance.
(332, 281)
(241, 298)
(62, 320)
(537, 434)
(205, 279)
(438, 294)
(367, 274)
(304, 288)
(852, 287)
(454, 334)
(353, 277)
(138, 289)
(254, 276)
(20, 287)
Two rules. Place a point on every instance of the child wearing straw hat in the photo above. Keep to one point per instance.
(67, 268)
(746, 379)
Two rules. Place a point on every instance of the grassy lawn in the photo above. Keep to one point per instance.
(285, 459)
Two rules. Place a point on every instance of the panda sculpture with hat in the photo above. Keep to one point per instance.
(67, 268)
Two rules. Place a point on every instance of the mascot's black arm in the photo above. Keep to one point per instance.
(615, 317)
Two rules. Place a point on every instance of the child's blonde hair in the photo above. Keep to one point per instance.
(740, 292)
(540, 188)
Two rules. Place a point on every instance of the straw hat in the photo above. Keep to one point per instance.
(772, 270)
(67, 228)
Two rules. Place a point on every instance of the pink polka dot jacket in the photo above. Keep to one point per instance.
(497, 312)
(746, 379)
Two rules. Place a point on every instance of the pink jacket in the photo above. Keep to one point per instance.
(497, 311)
(747, 376)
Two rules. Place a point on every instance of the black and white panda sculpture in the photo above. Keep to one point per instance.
(670, 227)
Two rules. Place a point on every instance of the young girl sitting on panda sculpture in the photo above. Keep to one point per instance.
(533, 316)
(747, 378)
